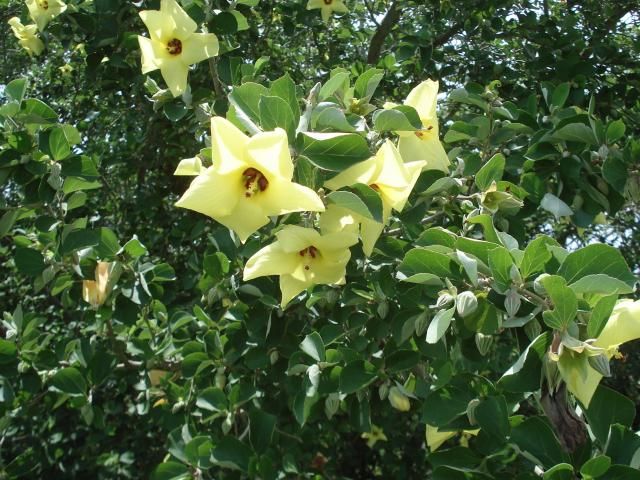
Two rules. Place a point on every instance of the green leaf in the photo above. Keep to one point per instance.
(562, 471)
(276, 112)
(76, 200)
(593, 259)
(171, 471)
(246, 98)
(445, 404)
(536, 255)
(74, 184)
(284, 88)
(535, 438)
(262, 425)
(108, 244)
(231, 453)
(490, 172)
(600, 315)
(397, 119)
(423, 260)
(501, 263)
(135, 248)
(492, 416)
(70, 381)
(313, 346)
(576, 132)
(595, 467)
(560, 95)
(16, 89)
(338, 81)
(439, 325)
(335, 151)
(367, 83)
(329, 116)
(606, 408)
(486, 221)
(524, 375)
(37, 112)
(28, 261)
(8, 352)
(564, 301)
(401, 360)
(600, 283)
(350, 201)
(212, 399)
(7, 221)
(356, 375)
(615, 131)
(615, 172)
(79, 239)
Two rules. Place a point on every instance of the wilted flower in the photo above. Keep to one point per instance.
(375, 435)
(250, 180)
(95, 292)
(386, 173)
(424, 144)
(27, 36)
(327, 7)
(435, 438)
(302, 258)
(43, 11)
(399, 400)
(173, 45)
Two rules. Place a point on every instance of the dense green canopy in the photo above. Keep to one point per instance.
(144, 340)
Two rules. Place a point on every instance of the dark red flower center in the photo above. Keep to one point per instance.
(254, 181)
(174, 47)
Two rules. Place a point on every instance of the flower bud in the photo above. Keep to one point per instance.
(399, 400)
(331, 405)
(512, 303)
(220, 380)
(383, 391)
(466, 304)
(471, 411)
(444, 300)
(227, 424)
(600, 363)
(273, 357)
(532, 329)
(95, 292)
(483, 343)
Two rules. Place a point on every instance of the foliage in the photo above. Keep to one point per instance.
(131, 345)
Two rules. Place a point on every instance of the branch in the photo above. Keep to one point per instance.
(446, 36)
(377, 41)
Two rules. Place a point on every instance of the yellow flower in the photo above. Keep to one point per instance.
(95, 292)
(573, 363)
(399, 400)
(327, 7)
(250, 180)
(43, 11)
(173, 45)
(435, 438)
(303, 258)
(375, 435)
(386, 173)
(424, 144)
(27, 36)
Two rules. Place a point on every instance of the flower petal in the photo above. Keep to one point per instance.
(423, 98)
(362, 172)
(623, 325)
(339, 7)
(199, 47)
(396, 198)
(430, 150)
(247, 217)
(370, 231)
(175, 74)
(149, 58)
(184, 24)
(271, 260)
(228, 145)
(290, 288)
(436, 438)
(159, 24)
(326, 13)
(189, 166)
(269, 153)
(315, 4)
(392, 169)
(212, 194)
(581, 379)
(293, 238)
(338, 219)
(285, 197)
